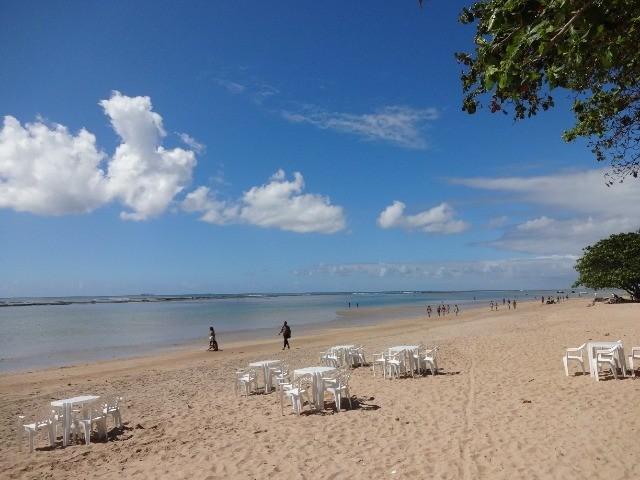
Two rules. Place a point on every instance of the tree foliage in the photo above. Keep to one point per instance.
(526, 49)
(612, 263)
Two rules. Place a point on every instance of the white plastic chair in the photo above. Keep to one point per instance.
(378, 359)
(283, 377)
(44, 420)
(609, 358)
(112, 405)
(339, 388)
(392, 365)
(299, 392)
(430, 360)
(244, 380)
(417, 355)
(635, 355)
(329, 359)
(574, 355)
(360, 355)
(90, 415)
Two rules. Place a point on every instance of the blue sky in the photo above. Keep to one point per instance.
(197, 116)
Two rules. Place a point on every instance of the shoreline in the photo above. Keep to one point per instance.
(346, 321)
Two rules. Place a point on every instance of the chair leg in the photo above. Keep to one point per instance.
(20, 432)
(87, 433)
(566, 366)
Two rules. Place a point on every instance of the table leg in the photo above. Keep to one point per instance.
(267, 379)
(66, 424)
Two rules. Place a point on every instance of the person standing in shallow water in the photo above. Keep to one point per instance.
(285, 331)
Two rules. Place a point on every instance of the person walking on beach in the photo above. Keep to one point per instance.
(213, 345)
(429, 311)
(514, 304)
(457, 310)
(285, 331)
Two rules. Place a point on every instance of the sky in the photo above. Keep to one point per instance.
(237, 146)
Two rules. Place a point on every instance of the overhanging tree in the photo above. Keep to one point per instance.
(612, 263)
(527, 49)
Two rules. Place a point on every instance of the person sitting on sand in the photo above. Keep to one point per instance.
(285, 331)
(213, 345)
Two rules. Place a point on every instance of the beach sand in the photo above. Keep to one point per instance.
(503, 409)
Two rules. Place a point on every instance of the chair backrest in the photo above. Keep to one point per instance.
(304, 382)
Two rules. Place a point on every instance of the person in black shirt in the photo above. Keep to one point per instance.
(285, 331)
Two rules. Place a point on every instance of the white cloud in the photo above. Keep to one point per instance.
(48, 171)
(399, 125)
(142, 173)
(203, 200)
(191, 142)
(231, 87)
(279, 203)
(439, 219)
(579, 209)
(532, 272)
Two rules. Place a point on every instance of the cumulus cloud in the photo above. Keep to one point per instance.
(400, 125)
(532, 272)
(142, 173)
(579, 209)
(279, 203)
(46, 170)
(439, 219)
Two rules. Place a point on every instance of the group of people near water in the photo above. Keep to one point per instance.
(558, 299)
(443, 310)
(494, 304)
(285, 331)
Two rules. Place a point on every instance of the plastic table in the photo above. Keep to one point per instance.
(266, 365)
(66, 405)
(318, 373)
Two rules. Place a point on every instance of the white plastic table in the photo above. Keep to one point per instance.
(593, 346)
(342, 352)
(265, 365)
(67, 405)
(318, 374)
(407, 351)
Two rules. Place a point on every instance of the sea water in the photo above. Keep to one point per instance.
(53, 332)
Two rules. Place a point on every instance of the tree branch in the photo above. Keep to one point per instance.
(576, 15)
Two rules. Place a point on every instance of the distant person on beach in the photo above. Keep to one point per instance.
(448, 309)
(285, 331)
(542, 299)
(503, 301)
(509, 303)
(349, 306)
(213, 345)
(514, 304)
(429, 311)
(491, 305)
(457, 310)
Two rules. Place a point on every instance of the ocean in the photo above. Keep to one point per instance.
(53, 332)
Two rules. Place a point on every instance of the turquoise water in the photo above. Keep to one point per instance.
(51, 332)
